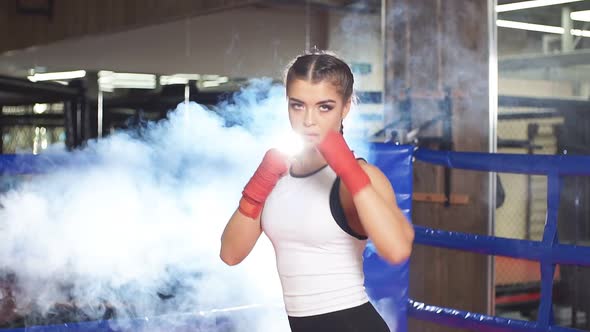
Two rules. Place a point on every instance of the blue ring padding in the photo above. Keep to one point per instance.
(508, 163)
(478, 322)
(386, 284)
(21, 164)
(545, 314)
(83, 326)
(548, 251)
(491, 245)
(194, 321)
(383, 281)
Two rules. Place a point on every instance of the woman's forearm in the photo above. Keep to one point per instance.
(238, 238)
(385, 224)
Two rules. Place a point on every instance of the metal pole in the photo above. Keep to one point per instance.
(187, 93)
(99, 113)
(387, 41)
(567, 40)
(492, 142)
(307, 26)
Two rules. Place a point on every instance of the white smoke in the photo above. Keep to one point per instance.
(135, 224)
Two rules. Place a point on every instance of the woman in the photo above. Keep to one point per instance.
(319, 210)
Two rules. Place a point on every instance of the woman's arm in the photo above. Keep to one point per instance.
(243, 228)
(381, 218)
(373, 199)
(239, 237)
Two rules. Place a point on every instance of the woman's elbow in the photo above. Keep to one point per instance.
(399, 254)
(228, 259)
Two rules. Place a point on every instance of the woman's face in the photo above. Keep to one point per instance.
(315, 109)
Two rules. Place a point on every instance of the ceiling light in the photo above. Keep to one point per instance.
(40, 108)
(530, 4)
(178, 78)
(210, 84)
(540, 28)
(108, 80)
(529, 26)
(66, 75)
(581, 33)
(583, 15)
(168, 80)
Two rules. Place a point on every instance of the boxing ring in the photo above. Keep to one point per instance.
(387, 285)
(548, 252)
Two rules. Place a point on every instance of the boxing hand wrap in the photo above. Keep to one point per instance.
(342, 161)
(271, 169)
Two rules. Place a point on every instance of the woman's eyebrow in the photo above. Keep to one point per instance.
(325, 101)
(318, 103)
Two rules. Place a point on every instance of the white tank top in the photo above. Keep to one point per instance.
(319, 258)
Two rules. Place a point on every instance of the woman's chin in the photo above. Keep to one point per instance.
(309, 146)
(309, 149)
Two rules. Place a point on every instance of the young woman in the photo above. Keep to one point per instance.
(319, 210)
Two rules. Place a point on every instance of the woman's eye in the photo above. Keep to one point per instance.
(326, 108)
(296, 106)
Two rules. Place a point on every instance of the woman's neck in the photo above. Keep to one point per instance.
(308, 161)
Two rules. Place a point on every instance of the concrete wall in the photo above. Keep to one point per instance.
(20, 28)
(247, 42)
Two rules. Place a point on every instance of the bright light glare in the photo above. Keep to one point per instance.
(290, 144)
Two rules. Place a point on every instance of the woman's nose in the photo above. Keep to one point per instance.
(308, 120)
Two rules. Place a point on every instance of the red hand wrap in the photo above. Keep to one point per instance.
(342, 161)
(271, 169)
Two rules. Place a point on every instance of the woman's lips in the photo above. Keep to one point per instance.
(311, 136)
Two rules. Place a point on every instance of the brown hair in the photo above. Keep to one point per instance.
(318, 66)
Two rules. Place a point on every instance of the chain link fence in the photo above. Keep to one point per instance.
(521, 214)
(26, 133)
